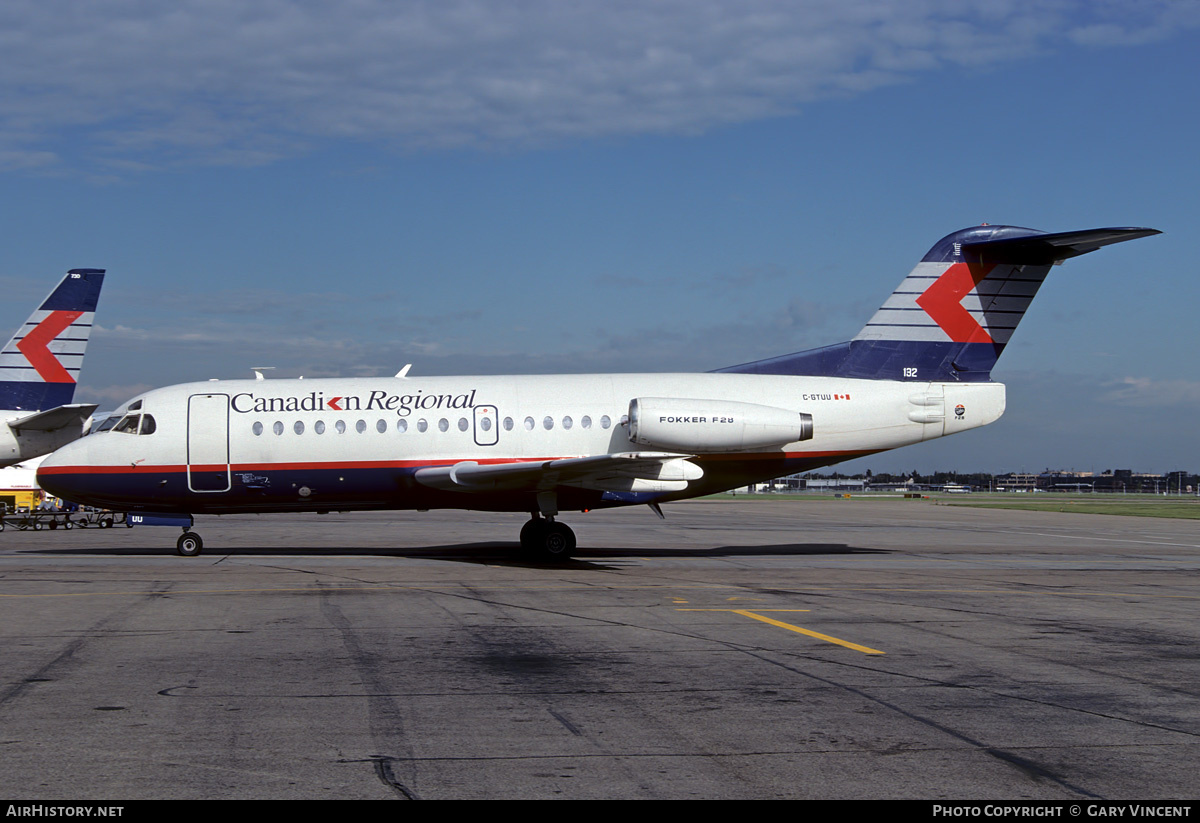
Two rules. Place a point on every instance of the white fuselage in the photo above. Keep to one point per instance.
(271, 445)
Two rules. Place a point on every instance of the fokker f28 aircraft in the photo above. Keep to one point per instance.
(919, 369)
(39, 368)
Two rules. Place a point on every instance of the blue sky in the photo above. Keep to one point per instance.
(340, 189)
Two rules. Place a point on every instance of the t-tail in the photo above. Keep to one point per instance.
(951, 318)
(40, 365)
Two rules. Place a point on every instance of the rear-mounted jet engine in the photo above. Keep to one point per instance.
(708, 426)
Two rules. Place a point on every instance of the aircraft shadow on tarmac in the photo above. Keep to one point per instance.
(489, 553)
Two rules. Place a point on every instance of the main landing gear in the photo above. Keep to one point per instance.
(547, 539)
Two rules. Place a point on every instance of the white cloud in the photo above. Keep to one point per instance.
(110, 83)
(1145, 392)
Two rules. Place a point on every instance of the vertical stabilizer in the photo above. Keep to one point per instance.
(40, 365)
(952, 317)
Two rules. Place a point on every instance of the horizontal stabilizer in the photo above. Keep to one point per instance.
(1043, 249)
(55, 419)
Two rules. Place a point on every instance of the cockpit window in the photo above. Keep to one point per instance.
(129, 424)
(107, 423)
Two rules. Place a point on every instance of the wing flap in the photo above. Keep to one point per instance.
(626, 471)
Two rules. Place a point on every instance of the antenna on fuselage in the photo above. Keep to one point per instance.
(258, 371)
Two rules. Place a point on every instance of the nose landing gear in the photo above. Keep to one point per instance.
(189, 544)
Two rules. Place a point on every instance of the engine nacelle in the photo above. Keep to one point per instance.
(709, 426)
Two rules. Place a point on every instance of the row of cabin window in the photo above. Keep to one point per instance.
(485, 423)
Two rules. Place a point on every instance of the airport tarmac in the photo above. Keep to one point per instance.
(764, 649)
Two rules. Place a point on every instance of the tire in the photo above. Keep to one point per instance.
(53, 525)
(68, 524)
(558, 542)
(531, 534)
(106, 523)
(548, 540)
(37, 525)
(189, 544)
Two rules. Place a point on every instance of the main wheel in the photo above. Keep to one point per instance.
(531, 533)
(554, 541)
(189, 544)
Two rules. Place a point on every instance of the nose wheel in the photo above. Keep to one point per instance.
(548, 539)
(189, 544)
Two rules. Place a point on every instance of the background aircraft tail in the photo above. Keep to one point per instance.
(39, 366)
(950, 319)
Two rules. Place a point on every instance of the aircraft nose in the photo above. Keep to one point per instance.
(63, 474)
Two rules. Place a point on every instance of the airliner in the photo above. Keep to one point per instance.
(919, 369)
(40, 367)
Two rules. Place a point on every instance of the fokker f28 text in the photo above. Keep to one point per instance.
(919, 369)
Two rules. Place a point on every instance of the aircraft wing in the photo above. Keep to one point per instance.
(625, 471)
(54, 419)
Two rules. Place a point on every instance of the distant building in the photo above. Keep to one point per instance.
(1016, 482)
